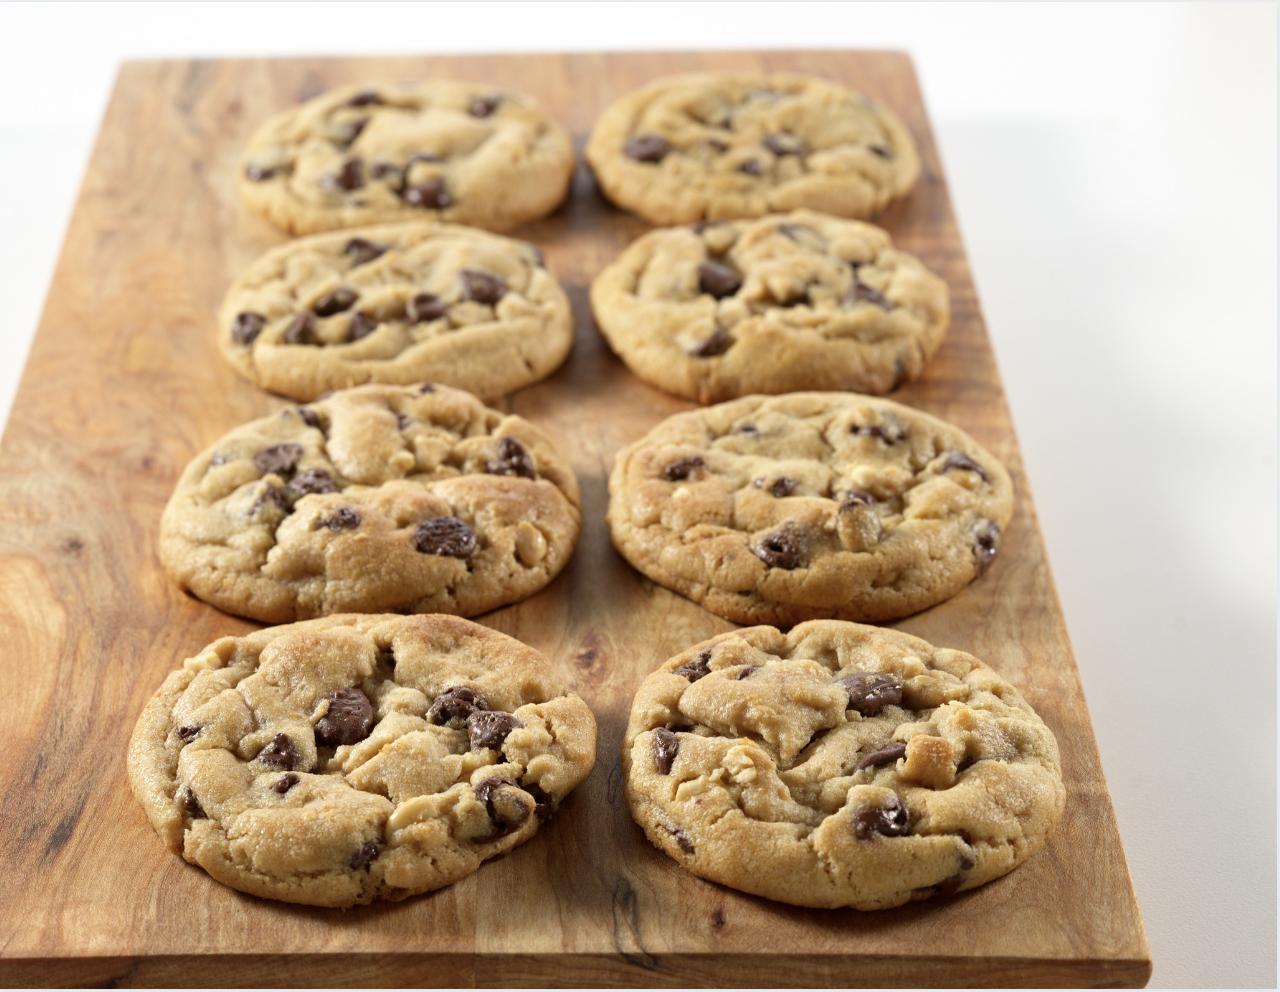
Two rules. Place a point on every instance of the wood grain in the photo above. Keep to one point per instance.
(124, 385)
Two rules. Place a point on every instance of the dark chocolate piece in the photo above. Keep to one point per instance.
(286, 782)
(488, 728)
(891, 821)
(362, 251)
(446, 536)
(870, 692)
(431, 194)
(426, 307)
(717, 280)
(696, 669)
(778, 550)
(454, 705)
(681, 469)
(512, 459)
(313, 481)
(717, 344)
(361, 327)
(887, 755)
(959, 460)
(482, 287)
(348, 719)
(344, 518)
(336, 302)
(508, 810)
(191, 806)
(279, 753)
(279, 459)
(364, 857)
(666, 746)
(246, 327)
(986, 536)
(647, 148)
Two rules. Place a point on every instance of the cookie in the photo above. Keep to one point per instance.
(400, 303)
(839, 765)
(354, 758)
(378, 499)
(786, 302)
(809, 506)
(453, 151)
(724, 145)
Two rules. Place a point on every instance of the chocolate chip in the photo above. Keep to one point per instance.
(286, 782)
(717, 280)
(696, 669)
(666, 746)
(986, 536)
(487, 728)
(361, 327)
(481, 287)
(856, 497)
(350, 176)
(425, 388)
(748, 430)
(310, 417)
(279, 753)
(191, 806)
(247, 326)
(958, 459)
(870, 692)
(507, 814)
(432, 195)
(312, 482)
(717, 344)
(271, 494)
(891, 431)
(543, 804)
(751, 167)
(782, 144)
(891, 821)
(951, 885)
(681, 469)
(187, 734)
(512, 459)
(454, 706)
(351, 132)
(301, 329)
(745, 672)
(344, 518)
(881, 151)
(887, 755)
(279, 459)
(364, 857)
(381, 169)
(647, 148)
(447, 536)
(364, 99)
(361, 251)
(859, 291)
(348, 719)
(425, 307)
(337, 301)
(680, 838)
(779, 487)
(258, 173)
(778, 550)
(483, 106)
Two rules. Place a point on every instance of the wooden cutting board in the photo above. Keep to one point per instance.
(124, 385)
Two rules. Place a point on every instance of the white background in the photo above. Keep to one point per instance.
(1113, 167)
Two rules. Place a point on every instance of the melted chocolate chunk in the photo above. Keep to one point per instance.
(349, 177)
(891, 821)
(717, 280)
(286, 782)
(364, 99)
(454, 706)
(488, 728)
(426, 307)
(364, 857)
(301, 329)
(950, 886)
(191, 806)
(512, 459)
(361, 251)
(348, 719)
(717, 344)
(507, 814)
(782, 144)
(751, 167)
(246, 327)
(483, 106)
(279, 753)
(958, 459)
(887, 755)
(447, 536)
(870, 692)
(482, 287)
(856, 497)
(271, 494)
(647, 148)
(666, 746)
(279, 459)
(778, 550)
(986, 536)
(311, 482)
(779, 487)
(859, 291)
(745, 672)
(680, 838)
(336, 302)
(432, 195)
(543, 804)
(344, 518)
(361, 327)
(683, 468)
(310, 417)
(187, 734)
(696, 669)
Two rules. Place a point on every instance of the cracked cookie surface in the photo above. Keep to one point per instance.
(337, 761)
(377, 499)
(786, 302)
(809, 506)
(397, 303)
(452, 151)
(723, 145)
(839, 765)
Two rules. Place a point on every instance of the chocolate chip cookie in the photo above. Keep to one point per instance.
(381, 498)
(809, 506)
(398, 303)
(786, 302)
(725, 145)
(453, 151)
(839, 765)
(354, 758)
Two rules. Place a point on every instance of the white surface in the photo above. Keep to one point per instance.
(1114, 171)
